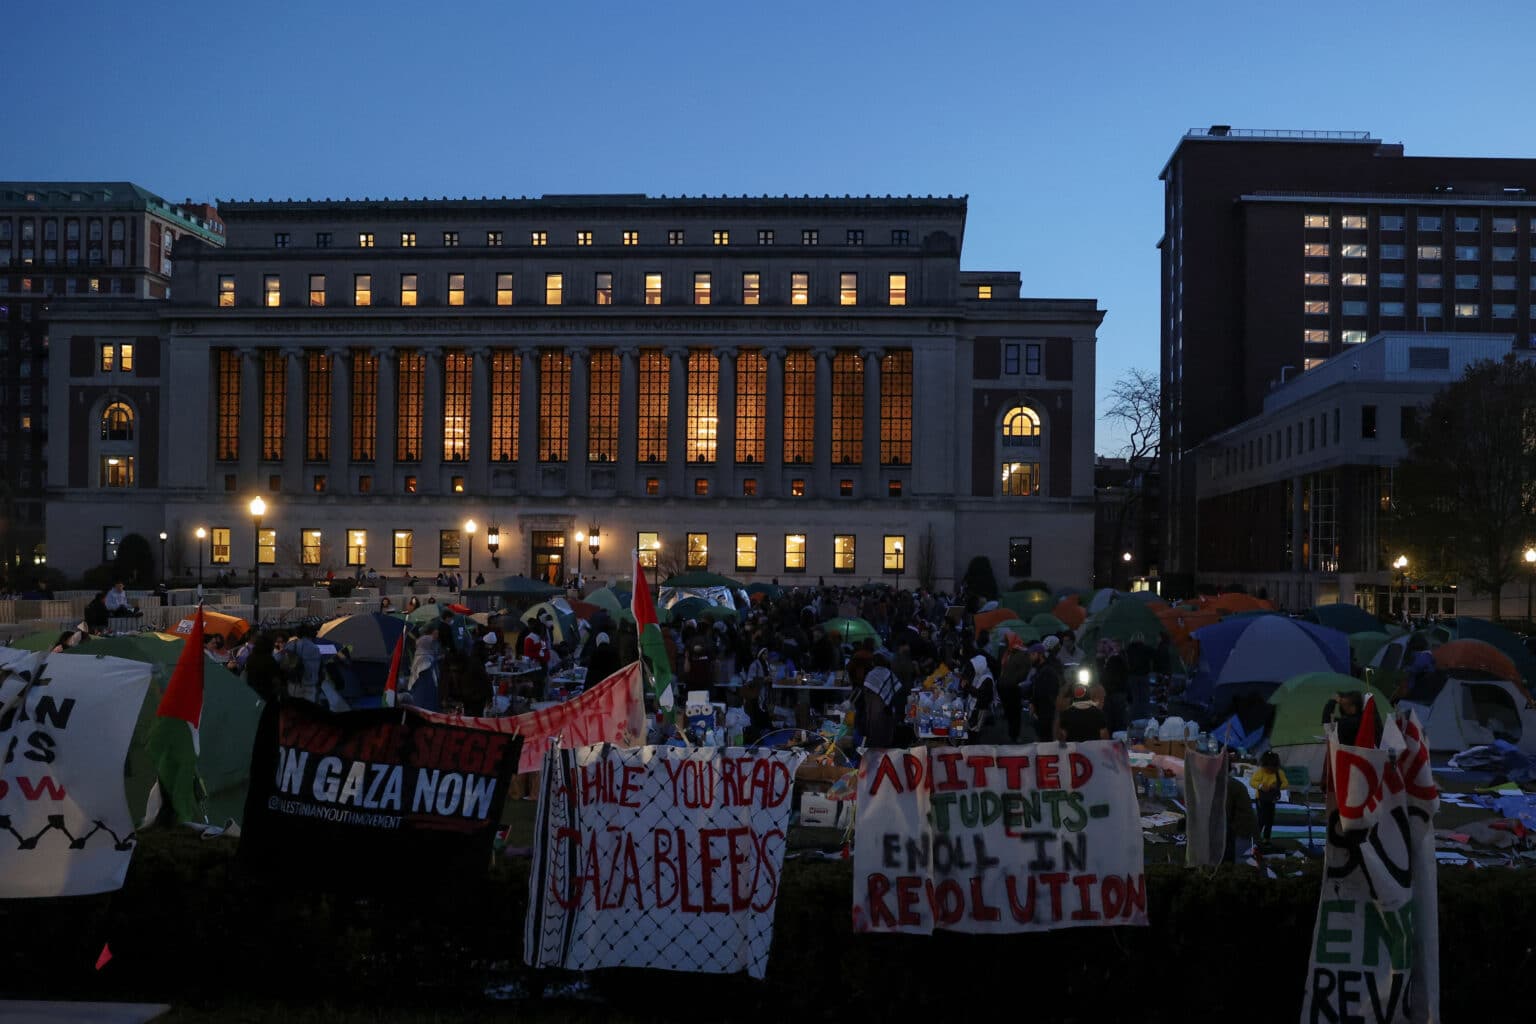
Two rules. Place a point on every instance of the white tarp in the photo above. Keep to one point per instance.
(1205, 800)
(65, 726)
(997, 839)
(659, 857)
(1376, 947)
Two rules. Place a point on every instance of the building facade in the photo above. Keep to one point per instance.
(1128, 530)
(60, 241)
(769, 388)
(1295, 503)
(1281, 249)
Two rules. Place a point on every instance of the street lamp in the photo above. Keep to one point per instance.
(901, 563)
(1530, 565)
(580, 539)
(1401, 565)
(592, 545)
(163, 536)
(469, 531)
(258, 509)
(201, 535)
(493, 543)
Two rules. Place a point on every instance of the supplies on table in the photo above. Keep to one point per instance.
(938, 714)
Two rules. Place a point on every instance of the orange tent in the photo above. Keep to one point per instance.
(1235, 602)
(227, 626)
(1180, 624)
(1070, 611)
(986, 620)
(1476, 656)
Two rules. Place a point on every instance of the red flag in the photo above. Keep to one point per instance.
(394, 671)
(105, 957)
(640, 602)
(183, 698)
(1366, 737)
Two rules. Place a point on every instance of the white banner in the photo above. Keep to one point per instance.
(660, 857)
(1376, 947)
(997, 839)
(65, 725)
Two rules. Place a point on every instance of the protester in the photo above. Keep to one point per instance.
(875, 702)
(1083, 720)
(1241, 824)
(1268, 780)
(465, 686)
(1044, 688)
(1347, 709)
(604, 661)
(96, 614)
(118, 603)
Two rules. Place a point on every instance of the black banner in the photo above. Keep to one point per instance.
(371, 797)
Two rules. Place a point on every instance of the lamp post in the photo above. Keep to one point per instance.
(1126, 558)
(469, 531)
(1530, 566)
(258, 509)
(163, 536)
(592, 545)
(493, 543)
(901, 563)
(201, 536)
(1401, 565)
(580, 539)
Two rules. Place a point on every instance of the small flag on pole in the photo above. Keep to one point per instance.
(173, 738)
(391, 683)
(654, 658)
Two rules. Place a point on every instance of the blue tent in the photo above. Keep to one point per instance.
(1265, 650)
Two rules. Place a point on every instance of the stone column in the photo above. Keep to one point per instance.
(773, 422)
(337, 481)
(295, 423)
(528, 425)
(478, 483)
(871, 358)
(725, 422)
(250, 420)
(629, 384)
(431, 480)
(576, 466)
(677, 423)
(822, 473)
(386, 404)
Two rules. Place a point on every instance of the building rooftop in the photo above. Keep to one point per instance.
(1396, 356)
(61, 196)
(628, 200)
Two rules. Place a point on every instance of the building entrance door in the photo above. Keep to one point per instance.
(548, 557)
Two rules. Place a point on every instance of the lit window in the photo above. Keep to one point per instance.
(362, 289)
(698, 551)
(280, 240)
(1021, 478)
(675, 236)
(503, 289)
(701, 487)
(405, 542)
(357, 547)
(218, 545)
(493, 238)
(749, 488)
(843, 552)
(896, 289)
(794, 552)
(1466, 310)
(894, 546)
(583, 238)
(983, 291)
(407, 289)
(108, 358)
(1021, 428)
(1315, 249)
(799, 289)
(1315, 306)
(538, 238)
(124, 357)
(722, 238)
(457, 484)
(1312, 364)
(117, 422)
(1390, 222)
(751, 289)
(1315, 337)
(554, 289)
(701, 288)
(317, 289)
(1315, 220)
(603, 288)
(797, 488)
(1429, 252)
(1354, 222)
(810, 236)
(1315, 278)
(365, 240)
(407, 239)
(845, 488)
(1352, 250)
(653, 486)
(631, 238)
(1353, 280)
(272, 290)
(266, 547)
(848, 289)
(449, 545)
(765, 236)
(450, 239)
(455, 289)
(746, 552)
(653, 289)
(410, 485)
(1354, 337)
(309, 547)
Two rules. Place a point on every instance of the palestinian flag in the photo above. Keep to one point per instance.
(654, 658)
(392, 681)
(173, 736)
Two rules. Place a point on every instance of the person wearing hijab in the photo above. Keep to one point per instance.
(604, 662)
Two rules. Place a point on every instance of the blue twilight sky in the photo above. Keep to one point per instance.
(1054, 118)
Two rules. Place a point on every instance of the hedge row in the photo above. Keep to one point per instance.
(189, 927)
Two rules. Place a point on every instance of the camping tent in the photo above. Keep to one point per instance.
(1347, 618)
(1263, 649)
(1296, 733)
(1464, 713)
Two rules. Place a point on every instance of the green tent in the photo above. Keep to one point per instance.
(1346, 618)
(1027, 602)
(604, 597)
(1299, 703)
(698, 578)
(1121, 621)
(1364, 645)
(1045, 622)
(518, 589)
(852, 631)
(689, 608)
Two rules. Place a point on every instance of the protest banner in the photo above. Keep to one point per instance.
(65, 726)
(613, 711)
(660, 857)
(1376, 945)
(362, 796)
(997, 839)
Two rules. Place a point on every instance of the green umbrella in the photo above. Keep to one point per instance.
(1045, 622)
(424, 613)
(769, 590)
(1346, 618)
(604, 597)
(720, 613)
(1013, 627)
(1027, 602)
(1364, 645)
(1121, 621)
(698, 578)
(688, 608)
(1299, 703)
(851, 631)
(518, 587)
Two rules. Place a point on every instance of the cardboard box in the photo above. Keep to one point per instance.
(817, 811)
(1173, 748)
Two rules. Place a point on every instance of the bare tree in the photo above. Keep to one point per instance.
(1135, 407)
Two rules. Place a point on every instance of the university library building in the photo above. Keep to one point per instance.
(793, 388)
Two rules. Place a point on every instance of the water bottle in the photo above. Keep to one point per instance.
(1150, 733)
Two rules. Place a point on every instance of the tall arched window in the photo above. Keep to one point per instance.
(1021, 452)
(117, 423)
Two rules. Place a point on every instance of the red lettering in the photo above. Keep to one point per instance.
(1047, 772)
(1356, 786)
(31, 789)
(1081, 769)
(1085, 911)
(709, 862)
(1013, 766)
(572, 836)
(631, 786)
(915, 774)
(661, 860)
(1055, 880)
(950, 759)
(948, 901)
(979, 763)
(885, 770)
(730, 782)
(740, 901)
(1136, 896)
(1112, 895)
(685, 904)
(979, 909)
(879, 914)
(767, 864)
(909, 890)
(1024, 912)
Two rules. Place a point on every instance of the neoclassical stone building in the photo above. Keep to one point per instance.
(790, 388)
